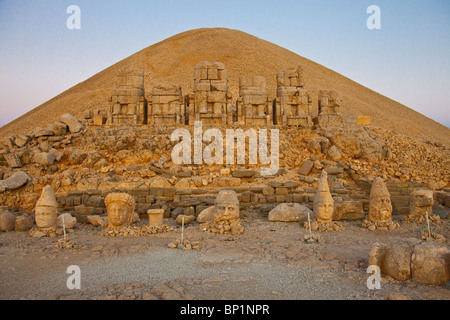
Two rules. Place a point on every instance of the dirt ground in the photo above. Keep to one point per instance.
(267, 262)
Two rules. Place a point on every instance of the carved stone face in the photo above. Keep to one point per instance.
(226, 206)
(118, 214)
(227, 211)
(380, 209)
(323, 208)
(46, 217)
(120, 208)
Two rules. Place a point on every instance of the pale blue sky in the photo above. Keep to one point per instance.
(407, 60)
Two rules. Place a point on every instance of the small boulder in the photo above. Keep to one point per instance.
(72, 122)
(290, 212)
(7, 221)
(421, 202)
(23, 223)
(187, 219)
(206, 215)
(430, 263)
(348, 210)
(306, 168)
(17, 180)
(44, 158)
(21, 140)
(69, 221)
(98, 221)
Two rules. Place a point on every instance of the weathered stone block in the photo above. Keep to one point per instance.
(7, 221)
(348, 210)
(431, 263)
(281, 191)
(290, 212)
(268, 191)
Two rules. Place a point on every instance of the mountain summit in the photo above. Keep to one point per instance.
(172, 61)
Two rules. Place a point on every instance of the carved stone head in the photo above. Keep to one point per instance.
(120, 209)
(323, 201)
(380, 206)
(226, 205)
(46, 212)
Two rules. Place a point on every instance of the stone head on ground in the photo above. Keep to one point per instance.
(120, 208)
(46, 212)
(226, 205)
(323, 201)
(380, 206)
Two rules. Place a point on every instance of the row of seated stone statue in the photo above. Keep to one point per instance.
(211, 101)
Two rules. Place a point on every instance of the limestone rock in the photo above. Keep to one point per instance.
(397, 263)
(244, 173)
(290, 212)
(428, 263)
(69, 221)
(72, 122)
(23, 223)
(182, 184)
(187, 219)
(15, 181)
(44, 158)
(98, 221)
(306, 168)
(348, 210)
(13, 160)
(58, 128)
(420, 203)
(21, 140)
(206, 215)
(57, 154)
(431, 263)
(334, 153)
(7, 221)
(159, 182)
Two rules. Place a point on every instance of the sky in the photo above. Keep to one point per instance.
(407, 59)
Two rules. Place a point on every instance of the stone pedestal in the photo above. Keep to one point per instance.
(155, 217)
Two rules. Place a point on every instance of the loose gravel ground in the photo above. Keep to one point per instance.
(267, 262)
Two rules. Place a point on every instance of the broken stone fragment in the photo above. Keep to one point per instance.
(430, 263)
(69, 220)
(15, 181)
(206, 215)
(421, 203)
(7, 221)
(290, 212)
(21, 140)
(23, 223)
(13, 160)
(187, 219)
(72, 122)
(98, 221)
(44, 158)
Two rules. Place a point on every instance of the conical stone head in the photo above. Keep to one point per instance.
(46, 212)
(323, 201)
(380, 206)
